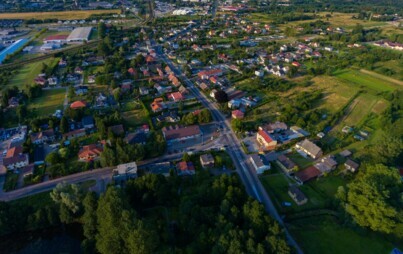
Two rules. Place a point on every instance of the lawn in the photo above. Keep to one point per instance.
(135, 117)
(30, 71)
(48, 102)
(363, 80)
(363, 105)
(63, 15)
(322, 235)
(300, 160)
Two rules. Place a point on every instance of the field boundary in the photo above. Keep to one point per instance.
(380, 76)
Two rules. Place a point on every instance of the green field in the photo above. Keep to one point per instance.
(300, 160)
(48, 102)
(28, 72)
(363, 80)
(323, 235)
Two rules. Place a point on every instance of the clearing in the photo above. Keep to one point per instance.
(48, 102)
(363, 80)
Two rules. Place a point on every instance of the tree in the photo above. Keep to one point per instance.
(53, 158)
(21, 112)
(69, 197)
(89, 218)
(221, 96)
(64, 125)
(373, 198)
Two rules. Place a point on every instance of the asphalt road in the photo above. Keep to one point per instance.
(246, 172)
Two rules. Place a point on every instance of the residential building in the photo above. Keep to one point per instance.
(259, 163)
(136, 138)
(90, 152)
(74, 134)
(43, 136)
(16, 162)
(207, 160)
(117, 130)
(78, 105)
(88, 122)
(326, 164)
(185, 168)
(286, 164)
(297, 195)
(265, 140)
(307, 174)
(179, 133)
(39, 155)
(351, 165)
(309, 148)
(237, 114)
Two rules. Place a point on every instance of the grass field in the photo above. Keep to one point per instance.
(323, 235)
(48, 102)
(135, 117)
(363, 105)
(363, 80)
(28, 72)
(63, 15)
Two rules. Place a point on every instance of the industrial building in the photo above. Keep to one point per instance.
(79, 34)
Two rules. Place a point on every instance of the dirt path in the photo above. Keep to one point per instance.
(380, 76)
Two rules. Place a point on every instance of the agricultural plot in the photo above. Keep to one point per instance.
(48, 103)
(363, 105)
(393, 65)
(365, 81)
(63, 15)
(30, 71)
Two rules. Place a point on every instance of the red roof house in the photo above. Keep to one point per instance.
(90, 152)
(78, 105)
(237, 114)
(265, 140)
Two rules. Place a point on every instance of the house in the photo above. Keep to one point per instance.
(275, 127)
(40, 81)
(53, 81)
(43, 136)
(176, 96)
(17, 161)
(297, 195)
(212, 93)
(125, 171)
(259, 163)
(345, 153)
(207, 160)
(117, 130)
(185, 168)
(309, 148)
(234, 103)
(56, 39)
(143, 90)
(351, 165)
(101, 101)
(326, 164)
(81, 90)
(307, 174)
(78, 105)
(88, 122)
(78, 70)
(259, 73)
(27, 170)
(286, 164)
(90, 152)
(209, 73)
(39, 155)
(74, 134)
(91, 79)
(265, 140)
(237, 114)
(13, 102)
(179, 133)
(157, 105)
(136, 138)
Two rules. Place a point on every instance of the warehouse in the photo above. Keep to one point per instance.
(79, 34)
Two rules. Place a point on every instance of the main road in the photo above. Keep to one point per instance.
(247, 174)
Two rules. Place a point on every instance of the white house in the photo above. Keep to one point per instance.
(259, 163)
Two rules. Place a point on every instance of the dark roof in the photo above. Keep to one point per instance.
(297, 194)
(352, 164)
(172, 133)
(87, 120)
(117, 129)
(308, 174)
(136, 138)
(286, 162)
(39, 153)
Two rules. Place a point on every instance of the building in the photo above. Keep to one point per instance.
(90, 152)
(117, 130)
(237, 114)
(179, 133)
(43, 136)
(79, 35)
(207, 160)
(207, 74)
(351, 165)
(74, 134)
(136, 138)
(265, 140)
(185, 168)
(275, 127)
(286, 164)
(326, 164)
(56, 39)
(125, 171)
(19, 160)
(259, 163)
(297, 195)
(307, 174)
(309, 148)
(78, 105)
(88, 122)
(176, 96)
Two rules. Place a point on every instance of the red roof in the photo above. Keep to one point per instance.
(185, 166)
(237, 114)
(308, 174)
(14, 151)
(90, 152)
(78, 104)
(56, 37)
(173, 133)
(265, 136)
(176, 96)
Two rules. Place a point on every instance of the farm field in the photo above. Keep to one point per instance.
(360, 79)
(28, 72)
(325, 235)
(64, 15)
(48, 102)
(363, 105)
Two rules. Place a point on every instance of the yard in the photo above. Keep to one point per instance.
(48, 103)
(29, 72)
(135, 117)
(323, 234)
(300, 160)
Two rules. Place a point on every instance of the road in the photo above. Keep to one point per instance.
(246, 172)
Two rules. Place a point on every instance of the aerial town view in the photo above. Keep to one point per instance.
(201, 126)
